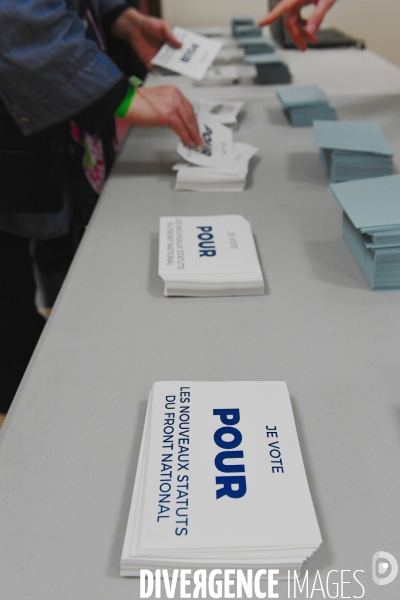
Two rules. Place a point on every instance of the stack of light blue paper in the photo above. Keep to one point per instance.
(352, 150)
(271, 68)
(256, 45)
(241, 31)
(242, 20)
(304, 104)
(238, 21)
(371, 227)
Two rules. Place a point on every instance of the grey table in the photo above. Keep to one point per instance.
(342, 71)
(69, 446)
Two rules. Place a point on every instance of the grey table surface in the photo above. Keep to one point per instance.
(70, 444)
(339, 71)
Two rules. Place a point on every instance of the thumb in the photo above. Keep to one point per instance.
(170, 38)
(318, 15)
(276, 12)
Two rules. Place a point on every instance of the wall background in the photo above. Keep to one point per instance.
(375, 21)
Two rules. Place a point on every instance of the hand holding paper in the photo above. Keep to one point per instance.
(165, 105)
(217, 144)
(144, 34)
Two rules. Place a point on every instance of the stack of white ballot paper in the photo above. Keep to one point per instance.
(209, 256)
(352, 150)
(220, 482)
(258, 45)
(229, 55)
(193, 58)
(220, 165)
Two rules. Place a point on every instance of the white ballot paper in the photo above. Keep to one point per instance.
(210, 31)
(208, 256)
(193, 58)
(220, 481)
(219, 75)
(229, 55)
(224, 111)
(217, 150)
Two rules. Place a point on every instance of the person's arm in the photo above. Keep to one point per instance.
(164, 106)
(300, 29)
(50, 72)
(99, 112)
(153, 107)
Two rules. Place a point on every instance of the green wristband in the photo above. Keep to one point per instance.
(126, 102)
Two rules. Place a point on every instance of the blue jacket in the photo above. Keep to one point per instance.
(52, 67)
(49, 70)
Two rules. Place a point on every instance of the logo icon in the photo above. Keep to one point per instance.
(384, 568)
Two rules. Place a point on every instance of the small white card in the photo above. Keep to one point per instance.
(229, 55)
(224, 111)
(206, 245)
(193, 58)
(243, 154)
(220, 75)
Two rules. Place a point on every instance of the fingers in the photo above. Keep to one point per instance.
(300, 30)
(170, 38)
(178, 125)
(147, 61)
(183, 121)
(162, 32)
(318, 15)
(295, 26)
(165, 105)
(280, 9)
(189, 131)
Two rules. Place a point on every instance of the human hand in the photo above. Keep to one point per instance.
(165, 105)
(300, 29)
(144, 34)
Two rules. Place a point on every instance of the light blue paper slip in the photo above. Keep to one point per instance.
(352, 150)
(240, 31)
(241, 20)
(244, 26)
(256, 45)
(304, 104)
(371, 227)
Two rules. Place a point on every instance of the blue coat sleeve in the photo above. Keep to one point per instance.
(49, 70)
